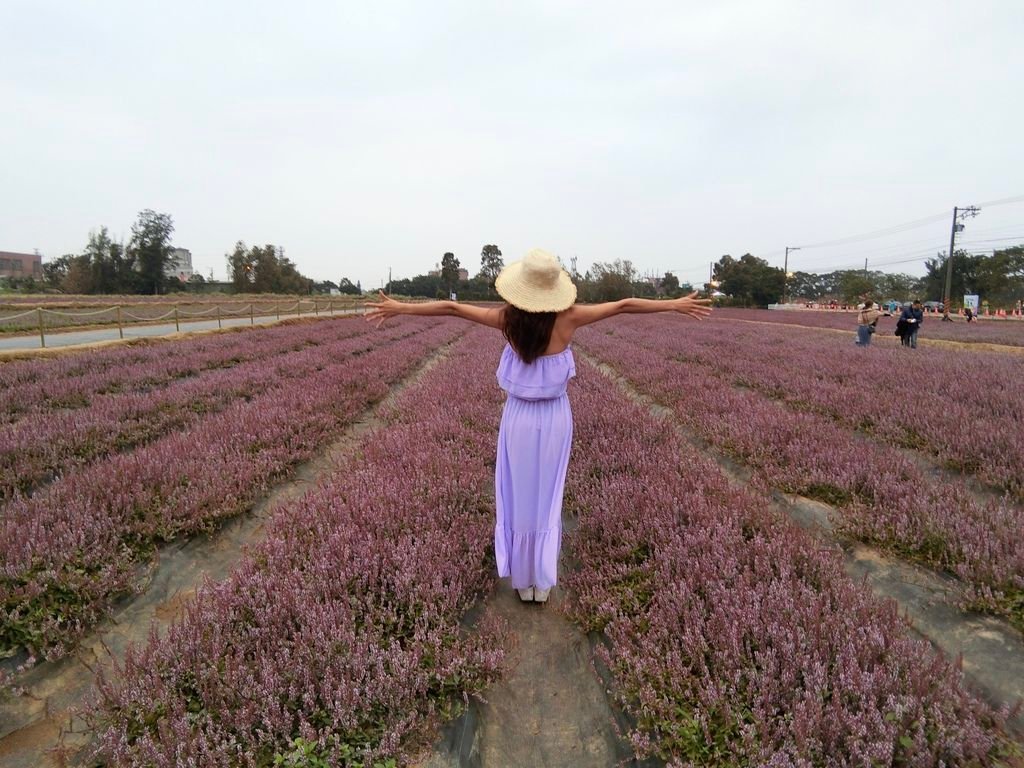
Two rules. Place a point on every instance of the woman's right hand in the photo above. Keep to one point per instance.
(694, 307)
(383, 309)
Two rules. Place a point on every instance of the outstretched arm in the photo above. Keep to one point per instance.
(585, 314)
(388, 307)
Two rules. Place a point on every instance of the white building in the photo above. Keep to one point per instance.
(179, 265)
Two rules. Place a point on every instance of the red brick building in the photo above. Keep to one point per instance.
(20, 264)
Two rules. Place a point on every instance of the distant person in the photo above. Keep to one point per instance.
(867, 322)
(538, 321)
(911, 317)
(969, 314)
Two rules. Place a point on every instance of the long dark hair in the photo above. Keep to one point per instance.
(527, 332)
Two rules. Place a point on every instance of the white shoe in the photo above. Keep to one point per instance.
(526, 595)
(541, 595)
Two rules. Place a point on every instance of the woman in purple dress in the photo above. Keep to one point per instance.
(535, 437)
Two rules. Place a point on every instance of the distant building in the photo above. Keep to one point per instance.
(463, 273)
(179, 264)
(21, 264)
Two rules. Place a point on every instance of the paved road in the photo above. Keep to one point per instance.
(71, 338)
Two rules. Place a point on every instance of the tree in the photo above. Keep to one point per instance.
(449, 272)
(491, 264)
(79, 276)
(240, 269)
(348, 287)
(609, 281)
(855, 286)
(670, 285)
(421, 285)
(55, 271)
(265, 270)
(964, 276)
(150, 248)
(749, 280)
(998, 278)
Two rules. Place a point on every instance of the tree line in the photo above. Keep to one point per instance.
(604, 281)
(751, 281)
(106, 266)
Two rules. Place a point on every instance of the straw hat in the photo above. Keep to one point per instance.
(536, 283)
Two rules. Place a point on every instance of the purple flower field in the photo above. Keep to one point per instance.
(142, 405)
(69, 549)
(988, 330)
(339, 637)
(714, 378)
(732, 638)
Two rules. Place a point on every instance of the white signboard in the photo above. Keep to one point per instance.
(971, 302)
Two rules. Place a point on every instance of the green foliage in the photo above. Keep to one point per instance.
(608, 281)
(150, 249)
(998, 278)
(491, 264)
(849, 284)
(449, 272)
(346, 286)
(855, 286)
(750, 281)
(306, 754)
(105, 266)
(265, 270)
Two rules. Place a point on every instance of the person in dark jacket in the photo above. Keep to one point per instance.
(911, 318)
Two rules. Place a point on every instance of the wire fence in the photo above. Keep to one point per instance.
(43, 319)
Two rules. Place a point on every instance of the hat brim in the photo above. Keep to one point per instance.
(513, 289)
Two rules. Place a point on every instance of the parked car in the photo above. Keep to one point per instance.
(934, 306)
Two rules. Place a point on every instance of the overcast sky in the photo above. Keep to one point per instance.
(366, 135)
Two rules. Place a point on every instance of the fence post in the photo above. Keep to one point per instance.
(42, 338)
(298, 308)
(218, 317)
(177, 326)
(330, 306)
(120, 328)
(252, 315)
(277, 308)
(316, 308)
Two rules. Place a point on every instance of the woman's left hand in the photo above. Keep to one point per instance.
(694, 307)
(383, 309)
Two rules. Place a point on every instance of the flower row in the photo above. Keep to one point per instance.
(337, 641)
(1008, 332)
(731, 637)
(72, 381)
(68, 550)
(48, 444)
(883, 494)
(962, 407)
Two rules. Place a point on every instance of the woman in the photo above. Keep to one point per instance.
(866, 320)
(538, 320)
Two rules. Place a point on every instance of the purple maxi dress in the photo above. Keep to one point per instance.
(533, 454)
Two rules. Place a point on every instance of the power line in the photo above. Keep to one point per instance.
(1002, 201)
(904, 227)
(893, 230)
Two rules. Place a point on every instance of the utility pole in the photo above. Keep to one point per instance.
(958, 213)
(388, 291)
(786, 275)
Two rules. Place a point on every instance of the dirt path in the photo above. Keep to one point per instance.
(45, 724)
(551, 710)
(991, 649)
